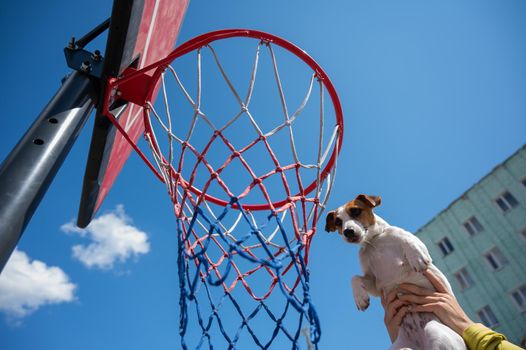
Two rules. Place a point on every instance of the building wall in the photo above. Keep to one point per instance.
(504, 230)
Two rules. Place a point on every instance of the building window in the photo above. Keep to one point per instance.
(523, 182)
(464, 278)
(487, 317)
(473, 226)
(519, 297)
(506, 201)
(495, 259)
(445, 246)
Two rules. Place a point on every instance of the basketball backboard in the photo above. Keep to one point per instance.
(140, 33)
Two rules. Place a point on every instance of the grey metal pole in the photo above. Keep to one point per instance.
(28, 170)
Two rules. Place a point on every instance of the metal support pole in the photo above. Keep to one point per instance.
(28, 170)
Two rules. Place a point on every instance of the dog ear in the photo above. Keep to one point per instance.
(371, 201)
(329, 221)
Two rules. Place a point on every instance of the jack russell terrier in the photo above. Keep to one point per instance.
(390, 256)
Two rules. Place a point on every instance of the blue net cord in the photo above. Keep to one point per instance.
(195, 278)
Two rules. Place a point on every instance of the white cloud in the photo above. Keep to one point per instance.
(114, 238)
(26, 285)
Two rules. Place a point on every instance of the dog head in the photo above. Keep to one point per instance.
(352, 219)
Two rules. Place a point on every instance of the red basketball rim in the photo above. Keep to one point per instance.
(207, 38)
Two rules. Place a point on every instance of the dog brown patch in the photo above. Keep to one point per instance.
(330, 224)
(371, 201)
(365, 204)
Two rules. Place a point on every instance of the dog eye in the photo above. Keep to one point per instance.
(338, 222)
(354, 212)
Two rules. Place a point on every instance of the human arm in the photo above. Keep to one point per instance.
(446, 307)
(479, 337)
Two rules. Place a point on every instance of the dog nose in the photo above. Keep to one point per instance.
(348, 232)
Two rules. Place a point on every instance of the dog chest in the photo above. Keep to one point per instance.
(385, 261)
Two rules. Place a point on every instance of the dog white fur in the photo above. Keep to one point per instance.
(390, 256)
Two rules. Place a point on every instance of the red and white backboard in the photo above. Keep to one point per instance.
(141, 32)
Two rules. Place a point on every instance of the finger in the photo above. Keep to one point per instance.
(400, 314)
(418, 299)
(389, 298)
(436, 281)
(393, 308)
(431, 307)
(414, 289)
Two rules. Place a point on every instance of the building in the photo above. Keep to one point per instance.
(479, 242)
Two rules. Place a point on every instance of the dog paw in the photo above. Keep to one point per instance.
(361, 297)
(362, 303)
(418, 260)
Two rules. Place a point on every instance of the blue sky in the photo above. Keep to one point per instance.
(433, 95)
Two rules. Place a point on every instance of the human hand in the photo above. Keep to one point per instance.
(440, 302)
(395, 310)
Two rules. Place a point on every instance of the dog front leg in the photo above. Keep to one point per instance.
(417, 254)
(361, 286)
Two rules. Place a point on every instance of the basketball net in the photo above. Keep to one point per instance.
(246, 186)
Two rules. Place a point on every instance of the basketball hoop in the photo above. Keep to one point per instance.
(236, 178)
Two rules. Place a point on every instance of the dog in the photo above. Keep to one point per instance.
(390, 256)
